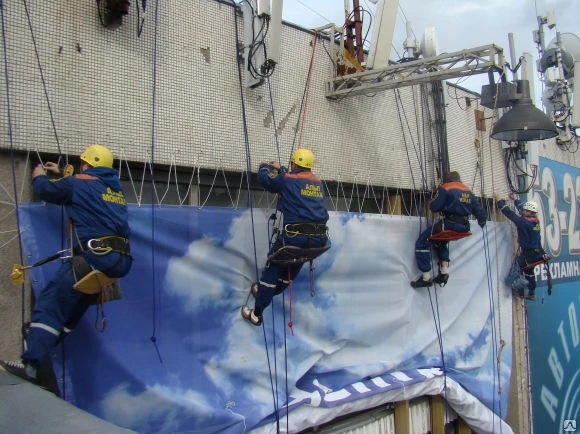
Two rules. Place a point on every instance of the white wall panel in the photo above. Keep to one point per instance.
(100, 87)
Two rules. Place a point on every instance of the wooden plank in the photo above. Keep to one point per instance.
(402, 420)
(462, 427)
(437, 415)
(393, 204)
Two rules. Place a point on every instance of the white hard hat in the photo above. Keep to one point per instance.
(531, 206)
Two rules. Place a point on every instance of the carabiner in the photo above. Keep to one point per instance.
(97, 250)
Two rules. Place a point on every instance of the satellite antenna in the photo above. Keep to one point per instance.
(427, 47)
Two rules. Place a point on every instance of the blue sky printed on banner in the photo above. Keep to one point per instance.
(177, 356)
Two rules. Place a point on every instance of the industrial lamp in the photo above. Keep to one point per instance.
(524, 121)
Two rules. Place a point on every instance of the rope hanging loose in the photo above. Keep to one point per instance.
(312, 293)
(153, 337)
(290, 323)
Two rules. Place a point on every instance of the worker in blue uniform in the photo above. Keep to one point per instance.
(456, 202)
(96, 210)
(529, 238)
(302, 202)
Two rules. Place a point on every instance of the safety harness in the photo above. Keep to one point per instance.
(531, 265)
(96, 282)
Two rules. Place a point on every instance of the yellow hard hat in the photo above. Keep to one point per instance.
(303, 158)
(97, 155)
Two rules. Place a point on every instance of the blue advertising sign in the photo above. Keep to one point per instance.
(554, 336)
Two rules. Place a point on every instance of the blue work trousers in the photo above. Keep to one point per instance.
(275, 277)
(525, 258)
(59, 307)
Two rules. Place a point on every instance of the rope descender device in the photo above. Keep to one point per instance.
(17, 273)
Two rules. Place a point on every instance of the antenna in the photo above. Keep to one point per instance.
(428, 46)
(382, 38)
(262, 27)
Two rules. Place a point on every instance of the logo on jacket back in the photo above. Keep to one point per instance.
(465, 198)
(311, 190)
(114, 196)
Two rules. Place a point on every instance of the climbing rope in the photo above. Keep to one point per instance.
(498, 342)
(421, 156)
(153, 337)
(304, 104)
(250, 205)
(12, 154)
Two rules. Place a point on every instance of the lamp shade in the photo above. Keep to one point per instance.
(524, 121)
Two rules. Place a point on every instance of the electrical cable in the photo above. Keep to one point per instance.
(41, 71)
(511, 167)
(364, 11)
(140, 21)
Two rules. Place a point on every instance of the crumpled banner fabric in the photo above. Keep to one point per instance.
(176, 355)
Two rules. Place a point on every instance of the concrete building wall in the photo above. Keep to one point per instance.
(14, 299)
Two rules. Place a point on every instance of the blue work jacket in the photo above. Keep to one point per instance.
(93, 200)
(302, 197)
(528, 227)
(455, 198)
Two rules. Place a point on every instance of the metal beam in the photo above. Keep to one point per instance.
(446, 66)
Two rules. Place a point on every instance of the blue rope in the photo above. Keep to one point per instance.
(154, 95)
(418, 156)
(437, 320)
(272, 240)
(246, 143)
(248, 184)
(494, 332)
(422, 165)
(275, 125)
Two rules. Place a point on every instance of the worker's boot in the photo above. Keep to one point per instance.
(248, 314)
(421, 283)
(18, 368)
(441, 279)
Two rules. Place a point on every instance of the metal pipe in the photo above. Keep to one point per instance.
(513, 56)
